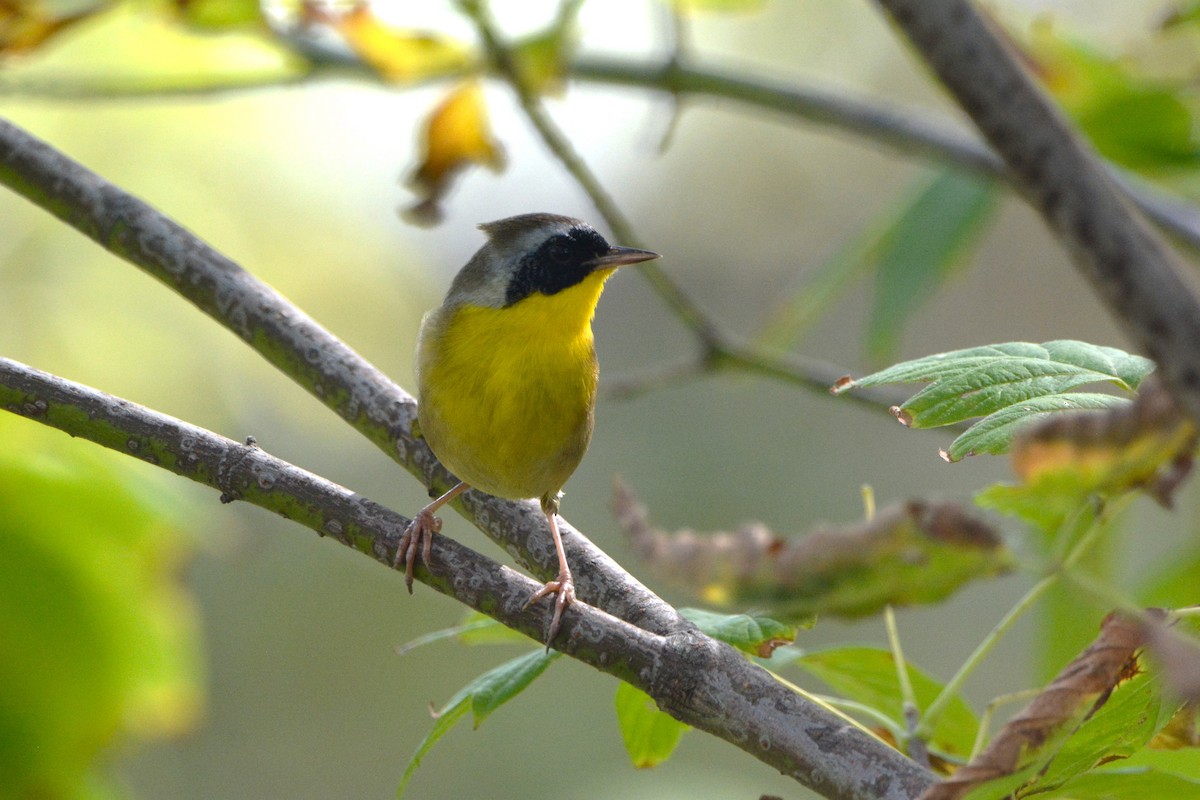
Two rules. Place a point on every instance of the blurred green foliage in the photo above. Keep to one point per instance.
(99, 644)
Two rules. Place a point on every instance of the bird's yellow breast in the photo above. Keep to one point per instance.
(507, 394)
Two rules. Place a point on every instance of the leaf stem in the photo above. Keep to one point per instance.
(955, 684)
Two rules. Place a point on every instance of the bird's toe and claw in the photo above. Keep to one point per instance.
(563, 589)
(418, 536)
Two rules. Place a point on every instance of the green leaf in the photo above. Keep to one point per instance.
(920, 249)
(1173, 581)
(481, 696)
(495, 688)
(994, 434)
(1121, 727)
(470, 627)
(1007, 384)
(1137, 120)
(99, 645)
(1103, 363)
(868, 675)
(1144, 129)
(1119, 784)
(1058, 506)
(650, 735)
(758, 636)
(1002, 788)
(445, 719)
(542, 57)
(478, 628)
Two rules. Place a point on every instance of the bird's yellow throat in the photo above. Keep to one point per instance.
(558, 324)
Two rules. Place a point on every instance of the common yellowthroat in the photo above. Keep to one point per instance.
(506, 373)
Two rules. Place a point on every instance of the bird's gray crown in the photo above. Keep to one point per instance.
(525, 255)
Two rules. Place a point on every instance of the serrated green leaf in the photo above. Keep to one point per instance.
(920, 249)
(481, 696)
(1117, 366)
(994, 433)
(756, 635)
(1014, 381)
(1137, 783)
(868, 675)
(650, 735)
(992, 387)
(1121, 727)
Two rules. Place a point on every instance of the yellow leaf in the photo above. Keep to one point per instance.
(26, 24)
(457, 135)
(397, 54)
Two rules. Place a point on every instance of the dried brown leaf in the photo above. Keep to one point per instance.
(1033, 735)
(915, 552)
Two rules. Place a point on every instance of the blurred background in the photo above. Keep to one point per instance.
(303, 694)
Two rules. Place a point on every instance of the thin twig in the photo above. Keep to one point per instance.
(908, 132)
(905, 131)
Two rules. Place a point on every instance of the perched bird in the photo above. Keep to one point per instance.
(506, 373)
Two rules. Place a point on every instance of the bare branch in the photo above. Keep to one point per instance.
(1133, 270)
(700, 681)
(306, 352)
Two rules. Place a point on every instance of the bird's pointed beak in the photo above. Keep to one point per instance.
(620, 257)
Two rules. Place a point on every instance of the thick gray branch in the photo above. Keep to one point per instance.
(700, 681)
(1133, 270)
(310, 355)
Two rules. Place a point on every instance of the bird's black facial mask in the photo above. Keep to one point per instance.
(561, 262)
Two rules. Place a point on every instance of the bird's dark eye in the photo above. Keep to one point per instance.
(559, 253)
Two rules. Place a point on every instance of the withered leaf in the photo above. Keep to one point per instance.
(1148, 445)
(915, 552)
(1033, 736)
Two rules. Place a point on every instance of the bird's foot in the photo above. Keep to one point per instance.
(563, 589)
(417, 536)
